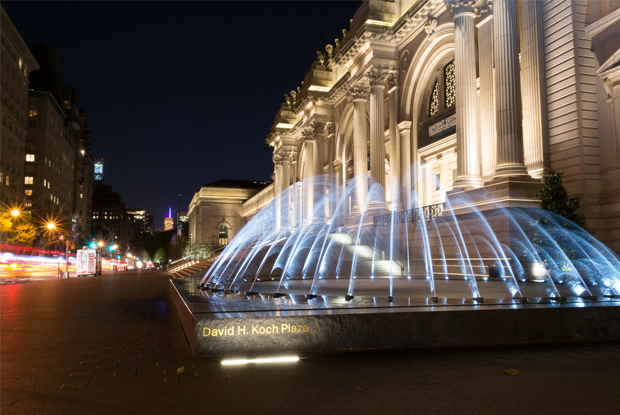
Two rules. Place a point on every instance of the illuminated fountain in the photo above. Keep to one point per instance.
(418, 253)
(317, 272)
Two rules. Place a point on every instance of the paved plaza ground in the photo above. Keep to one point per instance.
(113, 344)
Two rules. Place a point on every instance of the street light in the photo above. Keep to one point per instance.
(51, 226)
(15, 213)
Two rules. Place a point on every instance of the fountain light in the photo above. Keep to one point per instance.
(283, 359)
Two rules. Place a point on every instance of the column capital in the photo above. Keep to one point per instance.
(331, 128)
(404, 126)
(358, 93)
(375, 78)
(484, 9)
(308, 134)
(392, 80)
(458, 7)
(317, 126)
(277, 159)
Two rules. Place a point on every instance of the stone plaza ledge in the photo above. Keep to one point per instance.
(238, 326)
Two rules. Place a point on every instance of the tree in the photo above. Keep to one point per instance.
(17, 230)
(160, 256)
(145, 256)
(201, 248)
(554, 197)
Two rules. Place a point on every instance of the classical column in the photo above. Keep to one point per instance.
(285, 182)
(359, 95)
(533, 90)
(318, 170)
(404, 129)
(277, 160)
(487, 101)
(467, 139)
(338, 187)
(308, 135)
(377, 131)
(395, 171)
(510, 160)
(331, 179)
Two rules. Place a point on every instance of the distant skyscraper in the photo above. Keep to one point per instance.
(98, 169)
(169, 222)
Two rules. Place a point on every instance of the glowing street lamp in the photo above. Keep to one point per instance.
(51, 226)
(15, 213)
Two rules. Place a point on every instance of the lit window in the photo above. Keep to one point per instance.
(7, 180)
(51, 198)
(28, 180)
(81, 196)
(19, 62)
(32, 113)
(48, 185)
(28, 192)
(29, 157)
(28, 204)
(44, 183)
(450, 82)
(223, 235)
(433, 105)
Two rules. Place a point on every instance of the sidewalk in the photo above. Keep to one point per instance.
(113, 344)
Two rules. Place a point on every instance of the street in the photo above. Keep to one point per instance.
(113, 345)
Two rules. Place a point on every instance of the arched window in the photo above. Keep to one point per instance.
(443, 94)
(449, 80)
(433, 105)
(223, 235)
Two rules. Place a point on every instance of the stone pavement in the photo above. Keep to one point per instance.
(113, 344)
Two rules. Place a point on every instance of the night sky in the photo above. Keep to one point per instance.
(181, 94)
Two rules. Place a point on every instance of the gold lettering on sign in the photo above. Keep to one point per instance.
(254, 330)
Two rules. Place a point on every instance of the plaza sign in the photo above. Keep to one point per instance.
(436, 129)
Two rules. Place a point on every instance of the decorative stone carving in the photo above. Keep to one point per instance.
(431, 28)
(277, 158)
(330, 128)
(405, 60)
(288, 99)
(457, 7)
(320, 56)
(337, 42)
(317, 126)
(484, 8)
(375, 78)
(330, 50)
(392, 79)
(608, 84)
(338, 114)
(358, 92)
(308, 133)
(345, 32)
(293, 156)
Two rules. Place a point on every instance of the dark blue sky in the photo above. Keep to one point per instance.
(180, 94)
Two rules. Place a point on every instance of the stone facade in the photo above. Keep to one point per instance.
(17, 63)
(457, 95)
(220, 209)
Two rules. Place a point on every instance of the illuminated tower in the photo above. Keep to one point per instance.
(169, 222)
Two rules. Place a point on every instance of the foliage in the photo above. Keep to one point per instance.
(18, 230)
(554, 197)
(144, 256)
(160, 256)
(177, 246)
(201, 248)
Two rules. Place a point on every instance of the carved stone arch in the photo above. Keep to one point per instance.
(223, 222)
(412, 82)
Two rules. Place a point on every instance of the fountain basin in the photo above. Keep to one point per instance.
(238, 324)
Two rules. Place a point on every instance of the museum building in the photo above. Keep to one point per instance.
(433, 97)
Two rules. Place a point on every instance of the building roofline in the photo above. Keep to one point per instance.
(52, 100)
(18, 42)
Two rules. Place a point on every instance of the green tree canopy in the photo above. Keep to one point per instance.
(144, 256)
(554, 197)
(160, 256)
(17, 230)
